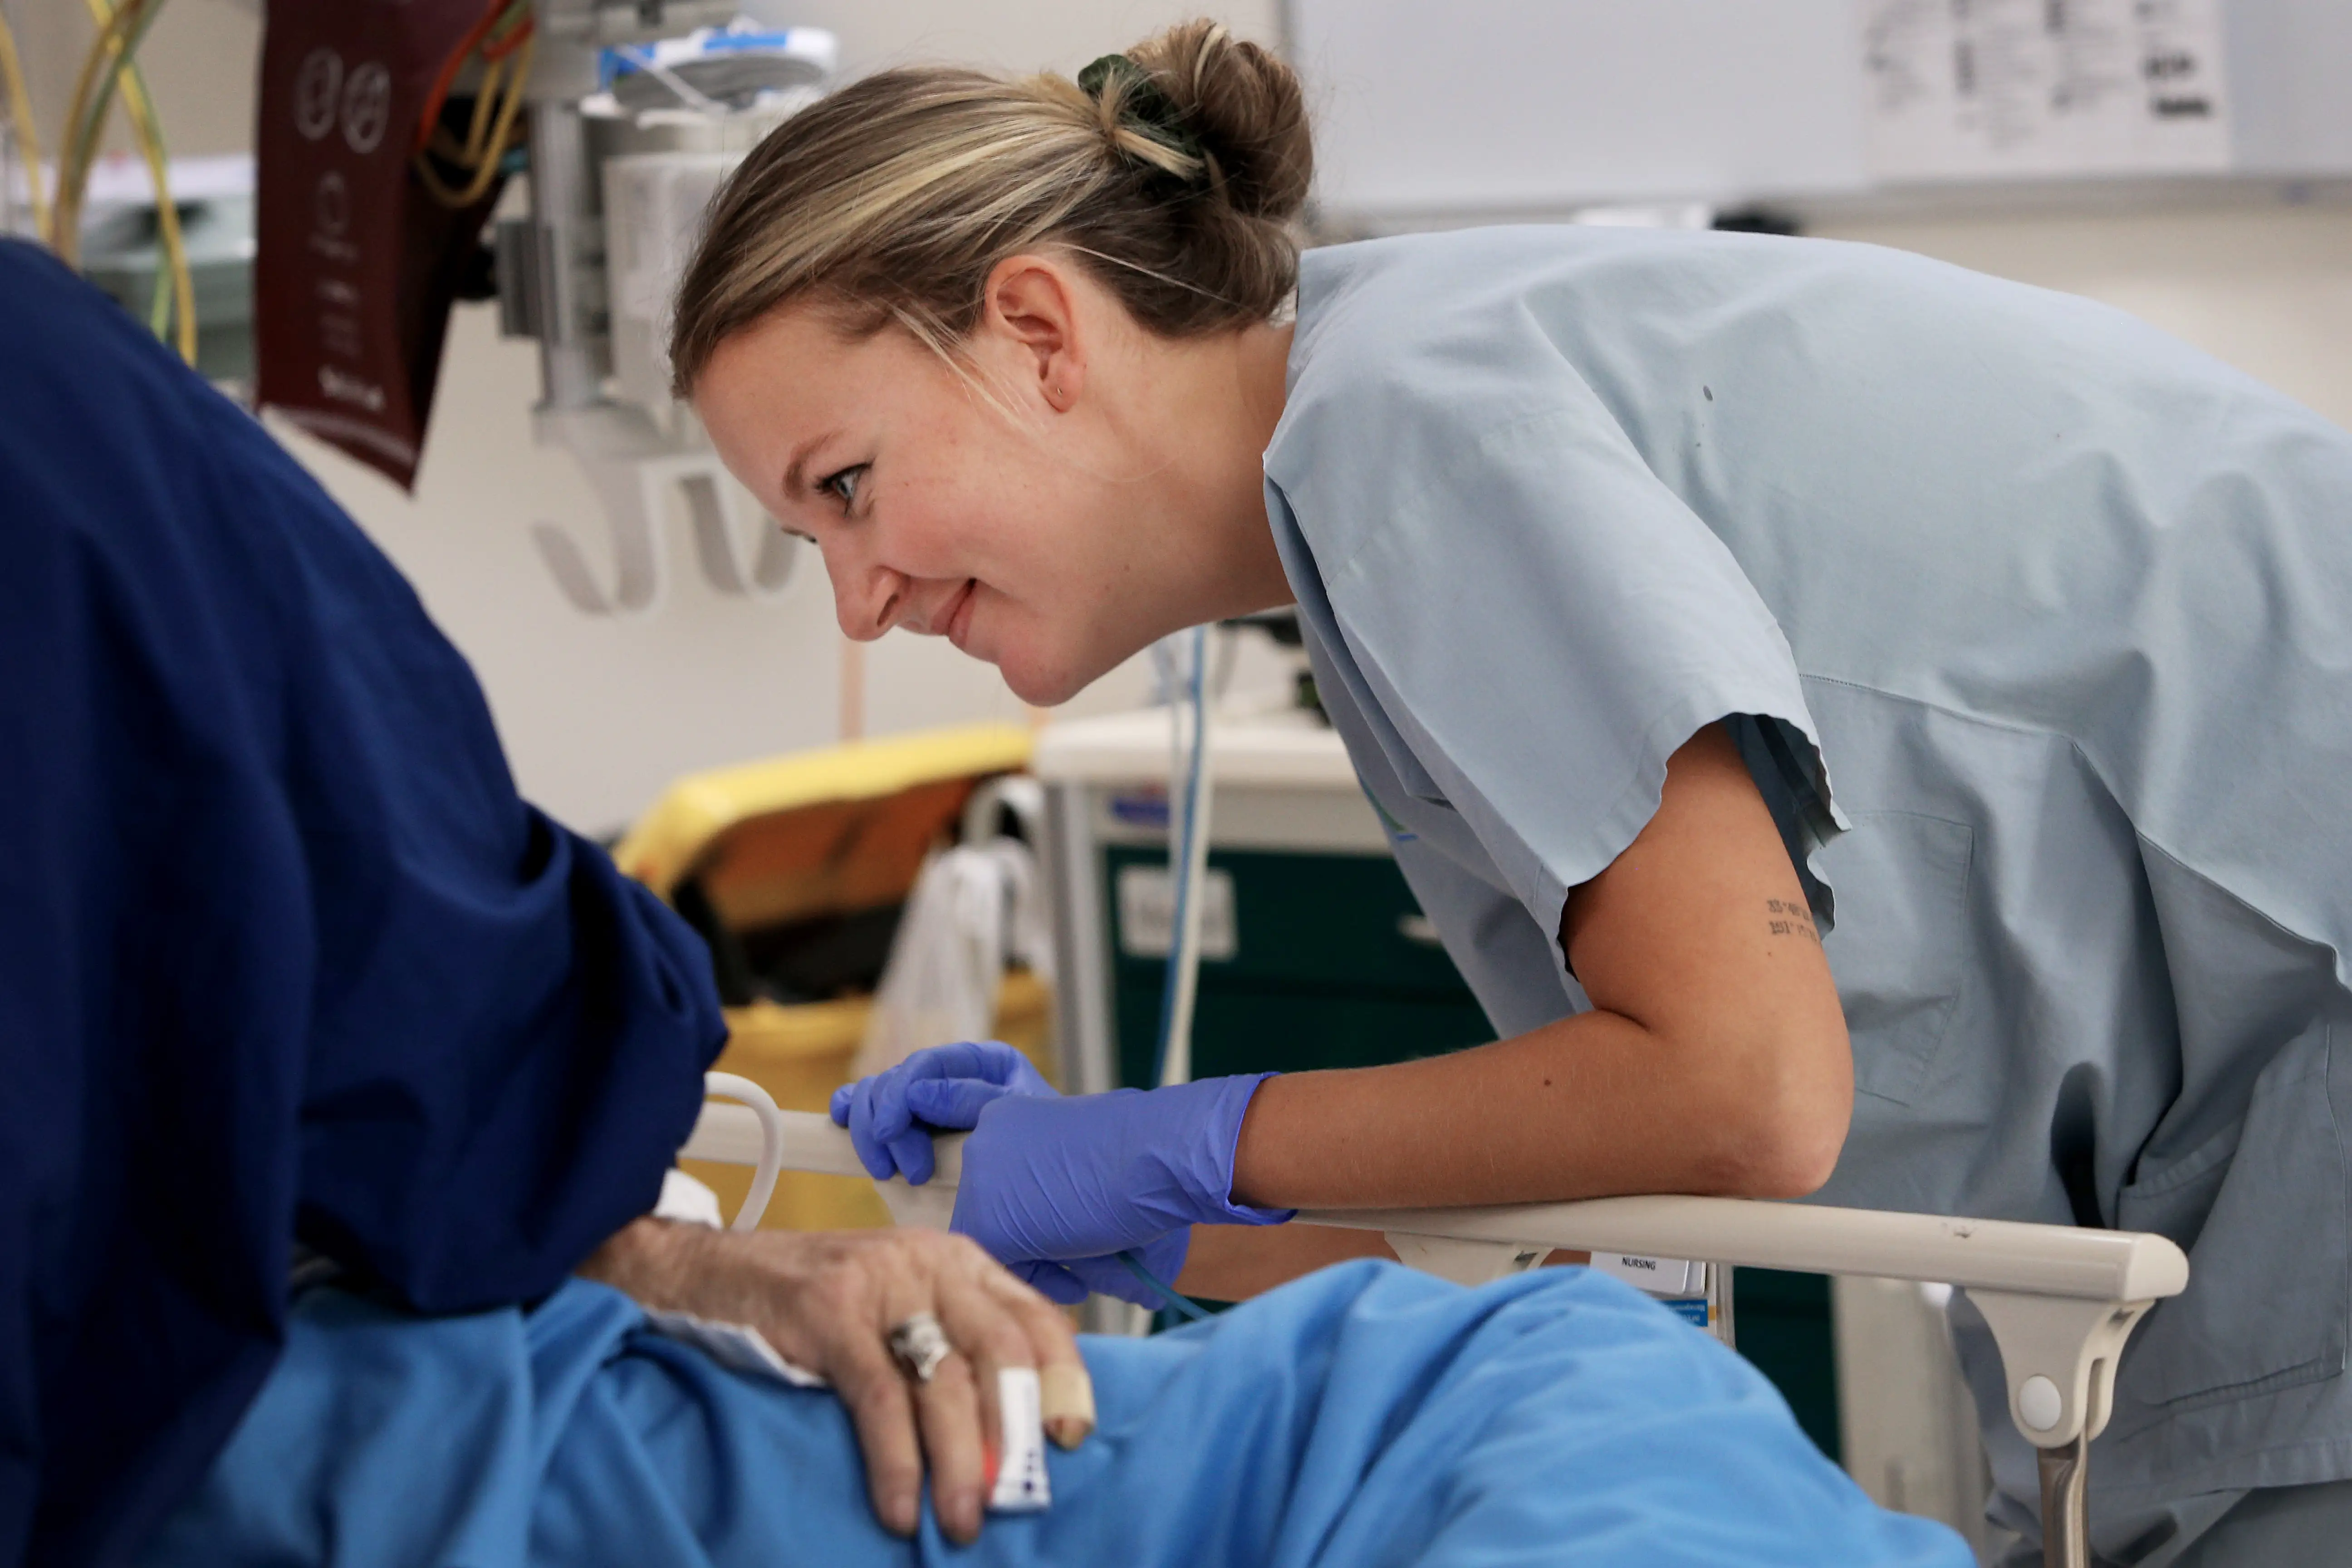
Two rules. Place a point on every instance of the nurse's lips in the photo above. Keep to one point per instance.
(958, 619)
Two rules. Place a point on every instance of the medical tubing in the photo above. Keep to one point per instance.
(1182, 1305)
(643, 58)
(1197, 808)
(1179, 856)
(1188, 861)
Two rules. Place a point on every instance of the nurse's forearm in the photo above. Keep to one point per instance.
(1590, 1106)
(1715, 1059)
(1236, 1262)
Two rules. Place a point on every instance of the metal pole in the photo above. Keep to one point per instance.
(1082, 1023)
(563, 217)
(2065, 1515)
(1719, 1318)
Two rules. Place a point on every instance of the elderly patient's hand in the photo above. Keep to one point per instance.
(828, 1301)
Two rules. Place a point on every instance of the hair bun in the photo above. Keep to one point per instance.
(892, 200)
(1246, 109)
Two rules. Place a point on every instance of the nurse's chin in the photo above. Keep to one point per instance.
(1040, 680)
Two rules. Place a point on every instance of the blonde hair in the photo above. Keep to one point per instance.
(892, 200)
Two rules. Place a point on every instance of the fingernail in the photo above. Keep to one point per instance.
(966, 1509)
(906, 1512)
(1066, 1400)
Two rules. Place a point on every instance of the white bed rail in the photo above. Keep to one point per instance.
(2061, 1301)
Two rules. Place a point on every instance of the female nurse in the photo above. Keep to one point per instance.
(1859, 727)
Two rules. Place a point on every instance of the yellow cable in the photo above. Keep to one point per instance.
(467, 156)
(480, 127)
(28, 135)
(73, 157)
(501, 136)
(174, 260)
(144, 126)
(175, 253)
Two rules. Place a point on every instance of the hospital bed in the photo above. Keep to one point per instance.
(2061, 1301)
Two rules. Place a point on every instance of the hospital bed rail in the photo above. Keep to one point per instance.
(2060, 1300)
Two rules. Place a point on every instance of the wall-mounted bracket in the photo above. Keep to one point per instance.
(635, 469)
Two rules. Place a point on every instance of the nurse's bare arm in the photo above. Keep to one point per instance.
(1715, 1059)
(1235, 1262)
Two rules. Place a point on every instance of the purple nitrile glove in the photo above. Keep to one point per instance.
(892, 1115)
(1076, 1181)
(1071, 1280)
(1174, 1147)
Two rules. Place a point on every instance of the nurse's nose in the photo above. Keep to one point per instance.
(869, 599)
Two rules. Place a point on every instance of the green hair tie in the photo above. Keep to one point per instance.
(1146, 102)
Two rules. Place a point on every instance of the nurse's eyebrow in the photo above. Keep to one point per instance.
(796, 471)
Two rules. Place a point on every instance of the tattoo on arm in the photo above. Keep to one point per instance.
(1788, 918)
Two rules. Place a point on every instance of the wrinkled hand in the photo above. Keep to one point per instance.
(826, 1300)
(892, 1115)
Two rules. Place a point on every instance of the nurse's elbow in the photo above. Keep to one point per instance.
(1796, 1158)
(1788, 1122)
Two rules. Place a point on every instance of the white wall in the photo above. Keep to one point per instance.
(1008, 35)
(598, 715)
(2268, 289)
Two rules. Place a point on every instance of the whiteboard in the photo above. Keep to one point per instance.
(2027, 90)
(1446, 107)
(1436, 110)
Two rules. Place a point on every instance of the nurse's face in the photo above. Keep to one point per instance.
(999, 506)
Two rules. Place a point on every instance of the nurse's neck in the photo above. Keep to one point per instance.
(1218, 398)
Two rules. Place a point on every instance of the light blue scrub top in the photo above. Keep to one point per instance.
(2063, 608)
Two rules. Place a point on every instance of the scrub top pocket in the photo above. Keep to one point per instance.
(1897, 952)
(2256, 1316)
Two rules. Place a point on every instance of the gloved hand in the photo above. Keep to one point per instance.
(1075, 1181)
(1055, 1200)
(892, 1115)
(1073, 1279)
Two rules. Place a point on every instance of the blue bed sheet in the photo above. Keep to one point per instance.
(1366, 1415)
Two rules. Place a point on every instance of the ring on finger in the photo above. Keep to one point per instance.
(919, 1345)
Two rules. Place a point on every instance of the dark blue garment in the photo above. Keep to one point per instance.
(282, 954)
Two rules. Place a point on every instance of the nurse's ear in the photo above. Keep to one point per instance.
(1030, 329)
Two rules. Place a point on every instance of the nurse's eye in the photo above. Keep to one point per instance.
(843, 486)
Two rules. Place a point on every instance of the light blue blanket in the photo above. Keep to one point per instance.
(1366, 1415)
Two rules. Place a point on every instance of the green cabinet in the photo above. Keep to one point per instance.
(1322, 972)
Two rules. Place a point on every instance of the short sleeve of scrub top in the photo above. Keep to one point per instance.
(1514, 623)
